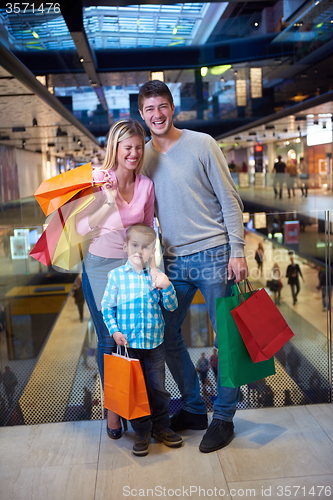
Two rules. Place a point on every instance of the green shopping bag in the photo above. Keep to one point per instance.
(235, 364)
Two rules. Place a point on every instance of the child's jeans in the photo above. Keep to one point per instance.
(153, 367)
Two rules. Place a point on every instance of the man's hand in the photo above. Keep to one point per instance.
(120, 338)
(237, 268)
(159, 279)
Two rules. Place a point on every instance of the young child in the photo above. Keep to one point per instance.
(133, 315)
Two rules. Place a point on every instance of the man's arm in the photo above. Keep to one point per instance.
(227, 195)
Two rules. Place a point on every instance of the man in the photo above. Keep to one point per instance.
(279, 177)
(200, 215)
(293, 273)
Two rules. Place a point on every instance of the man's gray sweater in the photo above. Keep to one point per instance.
(197, 204)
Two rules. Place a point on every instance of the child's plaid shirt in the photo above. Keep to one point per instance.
(131, 306)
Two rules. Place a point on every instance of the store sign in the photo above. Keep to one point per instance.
(291, 232)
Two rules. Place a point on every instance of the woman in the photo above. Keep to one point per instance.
(124, 198)
(259, 257)
(276, 283)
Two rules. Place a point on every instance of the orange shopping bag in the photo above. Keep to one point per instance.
(55, 192)
(125, 390)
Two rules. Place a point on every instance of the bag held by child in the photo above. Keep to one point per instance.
(125, 390)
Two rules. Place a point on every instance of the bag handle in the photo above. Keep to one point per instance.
(241, 294)
(126, 355)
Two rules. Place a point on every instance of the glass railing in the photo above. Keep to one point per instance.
(48, 357)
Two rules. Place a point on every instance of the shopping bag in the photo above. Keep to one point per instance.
(261, 325)
(71, 247)
(236, 367)
(46, 244)
(124, 387)
(55, 192)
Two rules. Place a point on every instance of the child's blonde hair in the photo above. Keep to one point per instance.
(142, 229)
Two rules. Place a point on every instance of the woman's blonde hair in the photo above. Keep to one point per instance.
(121, 130)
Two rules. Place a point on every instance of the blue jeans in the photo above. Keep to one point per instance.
(205, 271)
(94, 280)
(153, 367)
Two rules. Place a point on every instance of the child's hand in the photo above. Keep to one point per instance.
(160, 280)
(120, 338)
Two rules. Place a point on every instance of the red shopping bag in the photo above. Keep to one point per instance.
(45, 246)
(125, 390)
(60, 244)
(261, 325)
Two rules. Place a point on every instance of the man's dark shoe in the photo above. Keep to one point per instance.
(168, 437)
(186, 420)
(217, 436)
(141, 445)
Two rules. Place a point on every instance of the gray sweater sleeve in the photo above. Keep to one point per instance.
(219, 176)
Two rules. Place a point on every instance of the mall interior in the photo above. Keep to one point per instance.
(258, 77)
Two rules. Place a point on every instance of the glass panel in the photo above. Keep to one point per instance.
(33, 297)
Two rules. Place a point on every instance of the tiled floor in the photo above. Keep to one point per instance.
(277, 453)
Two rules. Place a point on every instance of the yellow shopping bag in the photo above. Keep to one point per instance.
(72, 247)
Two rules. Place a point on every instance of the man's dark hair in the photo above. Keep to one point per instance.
(154, 88)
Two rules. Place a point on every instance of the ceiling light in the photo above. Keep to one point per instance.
(81, 59)
(204, 71)
(157, 75)
(219, 70)
(174, 31)
(34, 34)
(256, 24)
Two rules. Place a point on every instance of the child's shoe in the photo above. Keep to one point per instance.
(168, 437)
(141, 445)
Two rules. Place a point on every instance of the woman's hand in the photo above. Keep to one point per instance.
(120, 338)
(110, 192)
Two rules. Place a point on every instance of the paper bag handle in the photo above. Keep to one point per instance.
(241, 294)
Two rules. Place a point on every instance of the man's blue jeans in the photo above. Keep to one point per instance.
(205, 271)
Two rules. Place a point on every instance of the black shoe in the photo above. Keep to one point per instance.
(141, 445)
(168, 437)
(186, 420)
(116, 433)
(217, 436)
